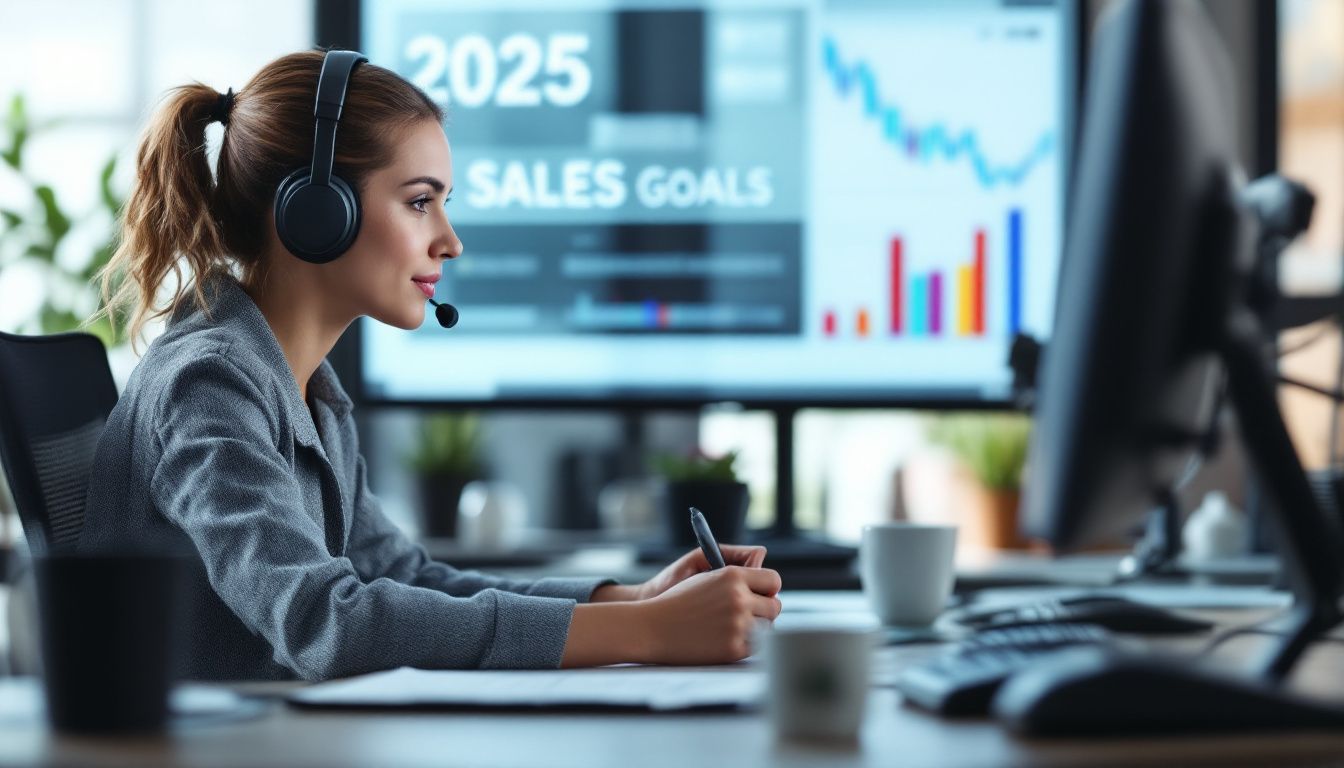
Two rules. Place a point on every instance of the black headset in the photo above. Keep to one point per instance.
(317, 213)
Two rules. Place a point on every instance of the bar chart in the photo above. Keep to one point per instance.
(953, 301)
(938, 190)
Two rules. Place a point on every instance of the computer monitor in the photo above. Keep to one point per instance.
(787, 201)
(1126, 387)
(1158, 311)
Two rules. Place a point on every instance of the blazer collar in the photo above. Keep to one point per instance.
(232, 308)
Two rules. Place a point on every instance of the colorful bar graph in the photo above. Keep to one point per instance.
(896, 279)
(916, 299)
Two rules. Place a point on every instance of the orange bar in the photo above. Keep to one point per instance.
(863, 323)
(965, 289)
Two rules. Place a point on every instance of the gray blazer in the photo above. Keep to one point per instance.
(295, 569)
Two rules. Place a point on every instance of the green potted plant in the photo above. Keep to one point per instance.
(709, 483)
(35, 234)
(992, 447)
(445, 459)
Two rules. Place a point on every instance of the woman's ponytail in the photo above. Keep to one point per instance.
(168, 218)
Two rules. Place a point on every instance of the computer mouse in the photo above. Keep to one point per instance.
(1096, 691)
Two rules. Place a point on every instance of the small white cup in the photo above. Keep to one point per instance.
(906, 569)
(818, 681)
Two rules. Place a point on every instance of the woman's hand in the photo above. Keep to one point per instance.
(686, 566)
(687, 614)
(694, 562)
(709, 617)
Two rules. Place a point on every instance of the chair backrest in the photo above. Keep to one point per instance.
(55, 396)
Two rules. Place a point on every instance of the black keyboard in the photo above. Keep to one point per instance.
(964, 680)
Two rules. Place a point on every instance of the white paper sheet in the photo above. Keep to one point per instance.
(657, 688)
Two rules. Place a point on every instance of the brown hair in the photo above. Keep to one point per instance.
(178, 213)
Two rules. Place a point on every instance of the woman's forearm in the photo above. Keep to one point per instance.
(606, 633)
(613, 593)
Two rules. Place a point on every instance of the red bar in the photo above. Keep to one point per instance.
(978, 286)
(896, 277)
(828, 323)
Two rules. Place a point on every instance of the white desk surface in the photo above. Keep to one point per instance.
(893, 734)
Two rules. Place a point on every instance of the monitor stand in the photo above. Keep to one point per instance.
(1156, 551)
(1157, 556)
(785, 542)
(1124, 692)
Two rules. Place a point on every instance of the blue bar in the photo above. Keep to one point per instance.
(919, 307)
(1014, 270)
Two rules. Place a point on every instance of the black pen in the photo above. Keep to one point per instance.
(706, 538)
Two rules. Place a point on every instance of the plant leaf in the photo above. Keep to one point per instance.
(58, 320)
(18, 113)
(449, 444)
(42, 252)
(58, 224)
(17, 124)
(110, 198)
(100, 259)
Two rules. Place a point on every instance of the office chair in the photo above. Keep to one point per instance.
(55, 396)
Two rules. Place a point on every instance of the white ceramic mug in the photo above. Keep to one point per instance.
(906, 570)
(818, 681)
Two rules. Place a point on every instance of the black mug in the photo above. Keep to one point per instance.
(108, 644)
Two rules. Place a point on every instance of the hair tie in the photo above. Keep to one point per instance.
(223, 106)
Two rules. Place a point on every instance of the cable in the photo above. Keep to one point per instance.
(1320, 333)
(1257, 629)
(1334, 412)
(1333, 394)
(1208, 439)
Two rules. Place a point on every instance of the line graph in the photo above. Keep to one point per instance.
(933, 141)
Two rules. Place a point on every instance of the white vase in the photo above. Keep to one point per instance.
(491, 514)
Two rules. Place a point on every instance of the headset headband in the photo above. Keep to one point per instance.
(331, 88)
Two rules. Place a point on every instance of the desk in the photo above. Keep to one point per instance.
(589, 554)
(892, 735)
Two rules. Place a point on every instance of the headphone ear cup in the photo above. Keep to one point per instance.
(316, 223)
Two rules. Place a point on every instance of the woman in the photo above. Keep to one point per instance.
(234, 440)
